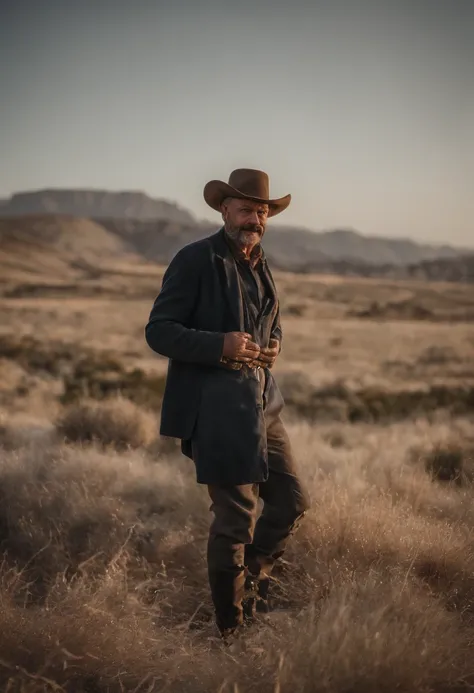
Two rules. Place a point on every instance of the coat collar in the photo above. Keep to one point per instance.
(230, 278)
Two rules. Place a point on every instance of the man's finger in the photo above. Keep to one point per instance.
(265, 359)
(269, 351)
(265, 353)
(251, 346)
(248, 353)
(250, 356)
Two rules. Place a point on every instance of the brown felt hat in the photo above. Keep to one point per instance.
(245, 184)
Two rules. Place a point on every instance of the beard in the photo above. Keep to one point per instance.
(246, 235)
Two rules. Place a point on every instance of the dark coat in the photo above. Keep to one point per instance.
(217, 412)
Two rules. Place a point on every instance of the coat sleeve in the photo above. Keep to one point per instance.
(167, 332)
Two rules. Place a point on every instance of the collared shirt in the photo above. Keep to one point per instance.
(255, 294)
(250, 273)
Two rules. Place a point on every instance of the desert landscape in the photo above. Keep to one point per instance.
(103, 584)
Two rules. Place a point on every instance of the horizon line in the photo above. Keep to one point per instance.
(333, 229)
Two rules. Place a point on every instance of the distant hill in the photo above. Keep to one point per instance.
(459, 269)
(61, 247)
(55, 246)
(309, 247)
(94, 203)
(288, 248)
(156, 229)
(158, 240)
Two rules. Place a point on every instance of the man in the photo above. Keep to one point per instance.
(217, 319)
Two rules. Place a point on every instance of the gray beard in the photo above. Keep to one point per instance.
(238, 237)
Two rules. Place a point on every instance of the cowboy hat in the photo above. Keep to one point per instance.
(245, 184)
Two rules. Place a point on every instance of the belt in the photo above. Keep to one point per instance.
(238, 365)
(257, 371)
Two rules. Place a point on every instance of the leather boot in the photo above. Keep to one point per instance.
(227, 589)
(250, 597)
(262, 601)
(255, 599)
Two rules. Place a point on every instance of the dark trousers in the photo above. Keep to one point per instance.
(240, 546)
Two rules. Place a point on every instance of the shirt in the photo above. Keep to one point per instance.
(255, 294)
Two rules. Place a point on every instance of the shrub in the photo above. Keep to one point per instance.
(85, 373)
(116, 422)
(98, 376)
(449, 462)
(337, 401)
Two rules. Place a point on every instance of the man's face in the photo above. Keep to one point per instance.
(245, 221)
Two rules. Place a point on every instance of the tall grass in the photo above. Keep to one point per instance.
(103, 579)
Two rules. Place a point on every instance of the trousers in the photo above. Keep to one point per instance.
(240, 545)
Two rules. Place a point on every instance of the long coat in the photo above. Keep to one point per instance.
(218, 413)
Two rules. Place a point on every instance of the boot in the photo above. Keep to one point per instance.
(262, 601)
(250, 597)
(227, 588)
(255, 599)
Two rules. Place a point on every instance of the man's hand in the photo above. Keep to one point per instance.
(238, 346)
(267, 356)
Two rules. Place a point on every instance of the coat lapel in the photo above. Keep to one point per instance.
(270, 283)
(230, 279)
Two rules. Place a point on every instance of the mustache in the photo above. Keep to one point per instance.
(256, 228)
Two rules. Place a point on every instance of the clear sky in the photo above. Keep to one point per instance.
(362, 109)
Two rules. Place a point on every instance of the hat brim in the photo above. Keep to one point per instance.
(216, 191)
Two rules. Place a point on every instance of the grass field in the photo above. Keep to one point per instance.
(103, 530)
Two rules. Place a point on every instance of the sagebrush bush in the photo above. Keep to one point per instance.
(116, 422)
(450, 462)
(71, 511)
(338, 401)
(82, 372)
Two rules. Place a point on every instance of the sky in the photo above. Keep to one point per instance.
(363, 110)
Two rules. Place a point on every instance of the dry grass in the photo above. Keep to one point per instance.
(114, 422)
(103, 580)
(451, 462)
